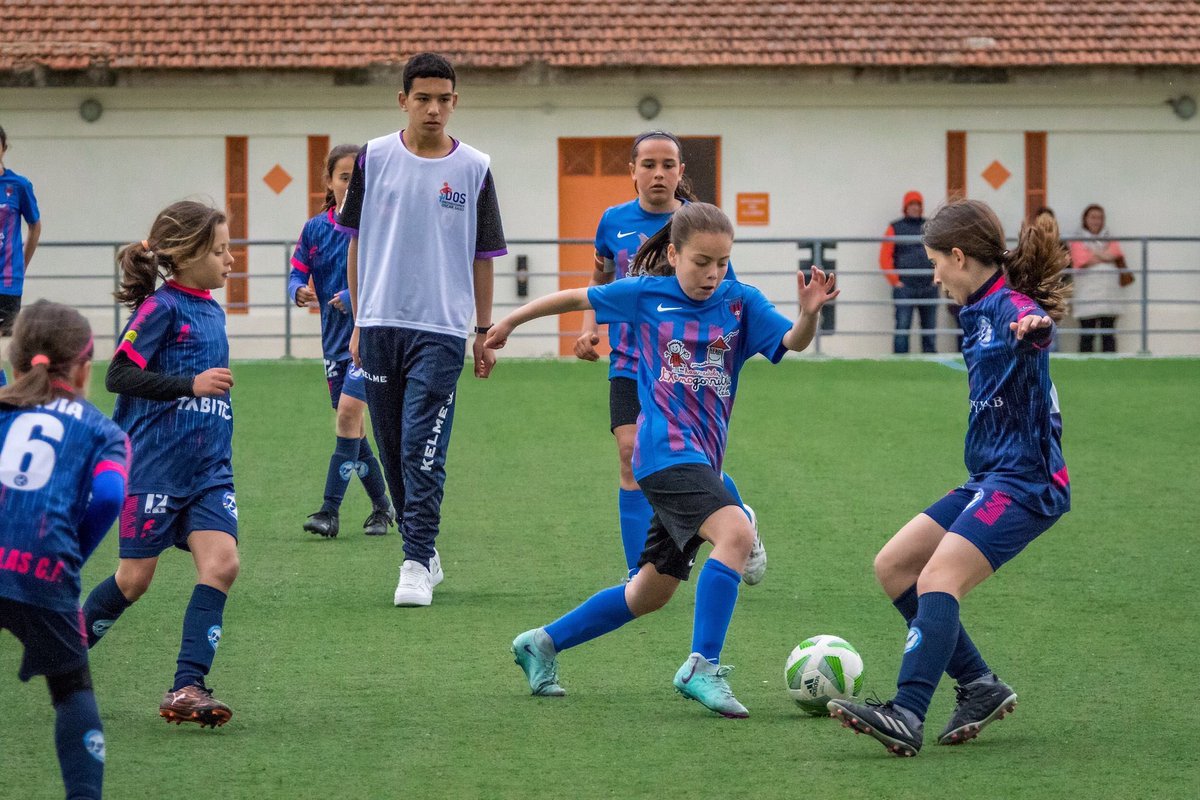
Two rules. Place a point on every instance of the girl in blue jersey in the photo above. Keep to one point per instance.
(1017, 485)
(321, 256)
(17, 202)
(62, 479)
(657, 168)
(172, 380)
(693, 331)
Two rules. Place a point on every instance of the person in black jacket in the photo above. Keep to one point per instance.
(910, 289)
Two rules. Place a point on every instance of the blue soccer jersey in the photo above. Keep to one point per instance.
(690, 354)
(49, 456)
(180, 446)
(16, 203)
(1014, 429)
(321, 255)
(622, 230)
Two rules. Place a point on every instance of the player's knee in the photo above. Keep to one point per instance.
(134, 585)
(68, 683)
(222, 571)
(349, 422)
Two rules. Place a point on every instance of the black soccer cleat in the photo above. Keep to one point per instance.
(377, 524)
(977, 704)
(897, 728)
(322, 523)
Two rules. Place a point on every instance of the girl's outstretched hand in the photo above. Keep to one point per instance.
(817, 290)
(498, 335)
(1029, 324)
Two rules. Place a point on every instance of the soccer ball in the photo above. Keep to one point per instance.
(823, 668)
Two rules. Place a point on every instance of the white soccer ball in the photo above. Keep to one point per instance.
(823, 668)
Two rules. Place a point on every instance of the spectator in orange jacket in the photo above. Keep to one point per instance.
(910, 289)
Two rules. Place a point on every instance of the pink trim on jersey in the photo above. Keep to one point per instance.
(300, 265)
(110, 466)
(1026, 306)
(997, 286)
(126, 527)
(1061, 478)
(664, 392)
(691, 398)
(329, 215)
(493, 253)
(626, 351)
(134, 355)
(201, 293)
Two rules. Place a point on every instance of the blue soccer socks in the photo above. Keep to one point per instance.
(102, 608)
(635, 524)
(931, 640)
(79, 740)
(966, 664)
(371, 475)
(342, 466)
(201, 635)
(716, 594)
(603, 612)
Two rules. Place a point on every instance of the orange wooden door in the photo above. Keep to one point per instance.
(593, 174)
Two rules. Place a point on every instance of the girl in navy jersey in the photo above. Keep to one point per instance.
(693, 331)
(657, 168)
(321, 255)
(1017, 484)
(172, 380)
(62, 479)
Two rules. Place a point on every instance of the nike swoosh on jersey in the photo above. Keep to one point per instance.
(662, 308)
(623, 235)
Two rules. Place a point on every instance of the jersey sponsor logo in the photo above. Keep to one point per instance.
(206, 405)
(130, 336)
(93, 742)
(621, 235)
(367, 376)
(449, 198)
(435, 435)
(229, 503)
(23, 562)
(678, 366)
(913, 641)
(214, 636)
(662, 308)
(990, 402)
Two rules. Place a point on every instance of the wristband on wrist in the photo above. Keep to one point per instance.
(483, 329)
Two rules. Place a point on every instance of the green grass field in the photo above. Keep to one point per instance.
(337, 694)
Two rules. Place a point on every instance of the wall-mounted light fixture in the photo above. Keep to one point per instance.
(1184, 106)
(649, 107)
(90, 109)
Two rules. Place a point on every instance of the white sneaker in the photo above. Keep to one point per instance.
(756, 562)
(436, 575)
(417, 582)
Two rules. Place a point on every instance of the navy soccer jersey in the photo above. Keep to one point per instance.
(1014, 430)
(48, 457)
(180, 446)
(321, 255)
(690, 354)
(16, 203)
(622, 230)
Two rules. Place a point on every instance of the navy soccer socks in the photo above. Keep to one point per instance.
(342, 465)
(79, 740)
(716, 595)
(102, 608)
(201, 635)
(635, 514)
(371, 475)
(931, 640)
(603, 612)
(966, 664)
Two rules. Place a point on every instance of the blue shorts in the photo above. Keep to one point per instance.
(345, 378)
(55, 642)
(151, 523)
(991, 520)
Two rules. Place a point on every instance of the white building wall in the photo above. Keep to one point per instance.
(836, 157)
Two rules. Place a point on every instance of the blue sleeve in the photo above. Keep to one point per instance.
(764, 327)
(148, 330)
(616, 301)
(108, 492)
(29, 206)
(344, 294)
(300, 267)
(601, 238)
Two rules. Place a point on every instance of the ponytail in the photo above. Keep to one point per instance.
(49, 341)
(651, 258)
(1035, 269)
(181, 232)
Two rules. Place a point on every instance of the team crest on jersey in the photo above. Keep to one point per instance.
(8, 191)
(230, 504)
(449, 198)
(678, 366)
(735, 308)
(985, 332)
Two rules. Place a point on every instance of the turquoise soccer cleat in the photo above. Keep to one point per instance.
(534, 653)
(704, 682)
